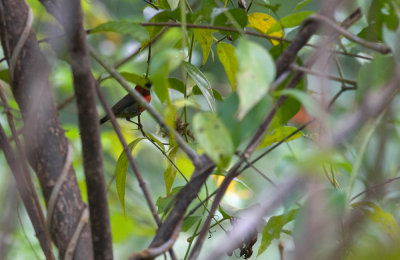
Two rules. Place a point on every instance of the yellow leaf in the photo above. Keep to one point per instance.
(226, 54)
(384, 220)
(205, 39)
(262, 23)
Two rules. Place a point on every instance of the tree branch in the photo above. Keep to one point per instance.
(69, 15)
(140, 99)
(44, 139)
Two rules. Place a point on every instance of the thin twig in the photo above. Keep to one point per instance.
(374, 187)
(139, 98)
(378, 47)
(131, 160)
(319, 74)
(260, 35)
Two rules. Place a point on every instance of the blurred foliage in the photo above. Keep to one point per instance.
(217, 103)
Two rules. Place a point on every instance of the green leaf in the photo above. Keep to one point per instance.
(123, 27)
(169, 178)
(163, 16)
(251, 121)
(134, 78)
(384, 220)
(205, 39)
(307, 101)
(205, 11)
(197, 91)
(240, 130)
(274, 8)
(213, 137)
(230, 18)
(121, 170)
(173, 4)
(202, 82)
(290, 21)
(289, 108)
(227, 116)
(161, 65)
(223, 213)
(274, 228)
(278, 135)
(5, 75)
(302, 4)
(170, 172)
(256, 73)
(226, 54)
(382, 12)
(158, 142)
(189, 222)
(164, 204)
(179, 86)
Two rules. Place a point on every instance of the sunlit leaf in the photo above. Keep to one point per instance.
(124, 224)
(213, 137)
(256, 73)
(173, 4)
(170, 172)
(205, 39)
(274, 228)
(202, 82)
(121, 170)
(134, 78)
(226, 54)
(278, 135)
(123, 27)
(385, 221)
(185, 102)
(161, 65)
(263, 23)
(185, 165)
(158, 142)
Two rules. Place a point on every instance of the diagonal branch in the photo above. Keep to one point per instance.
(28, 195)
(282, 65)
(139, 98)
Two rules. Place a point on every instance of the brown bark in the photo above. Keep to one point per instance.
(69, 15)
(45, 143)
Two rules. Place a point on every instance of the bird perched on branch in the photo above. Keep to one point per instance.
(127, 107)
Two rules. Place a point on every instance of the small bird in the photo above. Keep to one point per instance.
(127, 107)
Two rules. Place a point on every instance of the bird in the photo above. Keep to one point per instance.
(127, 107)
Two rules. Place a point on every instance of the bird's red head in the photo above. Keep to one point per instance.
(145, 92)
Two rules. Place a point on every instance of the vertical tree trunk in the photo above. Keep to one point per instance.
(45, 143)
